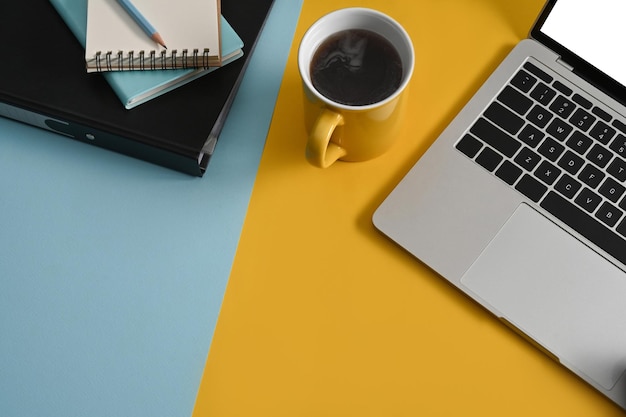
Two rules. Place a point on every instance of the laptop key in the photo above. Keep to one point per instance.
(582, 101)
(508, 172)
(515, 100)
(582, 120)
(562, 106)
(562, 88)
(560, 129)
(527, 159)
(547, 172)
(531, 136)
(539, 116)
(617, 168)
(599, 155)
(567, 186)
(551, 149)
(469, 145)
(609, 214)
(591, 176)
(531, 188)
(619, 145)
(619, 125)
(504, 118)
(543, 94)
(602, 132)
(496, 138)
(571, 162)
(524, 81)
(538, 72)
(601, 114)
(579, 142)
(588, 200)
(586, 225)
(489, 159)
(612, 190)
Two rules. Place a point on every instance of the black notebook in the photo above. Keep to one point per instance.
(45, 84)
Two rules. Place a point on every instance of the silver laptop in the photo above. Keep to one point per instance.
(521, 202)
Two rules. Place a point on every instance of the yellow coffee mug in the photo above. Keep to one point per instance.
(352, 132)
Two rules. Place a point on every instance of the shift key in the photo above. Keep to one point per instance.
(496, 138)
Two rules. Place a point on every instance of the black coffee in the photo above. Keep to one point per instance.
(356, 67)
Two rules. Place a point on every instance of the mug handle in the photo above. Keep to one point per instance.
(320, 151)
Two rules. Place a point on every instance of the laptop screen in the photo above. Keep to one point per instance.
(589, 36)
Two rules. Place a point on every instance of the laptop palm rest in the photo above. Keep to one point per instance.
(557, 291)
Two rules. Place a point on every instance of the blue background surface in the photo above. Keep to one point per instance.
(112, 270)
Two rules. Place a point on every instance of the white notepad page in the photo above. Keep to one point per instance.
(189, 28)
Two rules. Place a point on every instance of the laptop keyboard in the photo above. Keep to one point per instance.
(560, 150)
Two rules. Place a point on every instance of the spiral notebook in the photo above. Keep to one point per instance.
(190, 28)
(137, 87)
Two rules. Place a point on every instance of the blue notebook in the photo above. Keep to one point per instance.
(136, 87)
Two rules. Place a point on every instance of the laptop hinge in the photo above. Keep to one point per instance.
(565, 64)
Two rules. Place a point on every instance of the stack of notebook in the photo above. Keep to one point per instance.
(46, 83)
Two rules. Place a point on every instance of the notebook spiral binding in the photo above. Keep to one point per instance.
(131, 61)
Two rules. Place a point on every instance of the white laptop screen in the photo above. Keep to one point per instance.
(584, 30)
(593, 30)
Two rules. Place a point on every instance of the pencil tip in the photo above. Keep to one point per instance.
(158, 39)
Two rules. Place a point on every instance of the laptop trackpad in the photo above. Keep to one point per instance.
(558, 291)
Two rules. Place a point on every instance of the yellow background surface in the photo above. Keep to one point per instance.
(323, 316)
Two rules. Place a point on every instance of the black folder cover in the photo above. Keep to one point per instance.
(43, 82)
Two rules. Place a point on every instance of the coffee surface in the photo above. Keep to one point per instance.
(356, 67)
